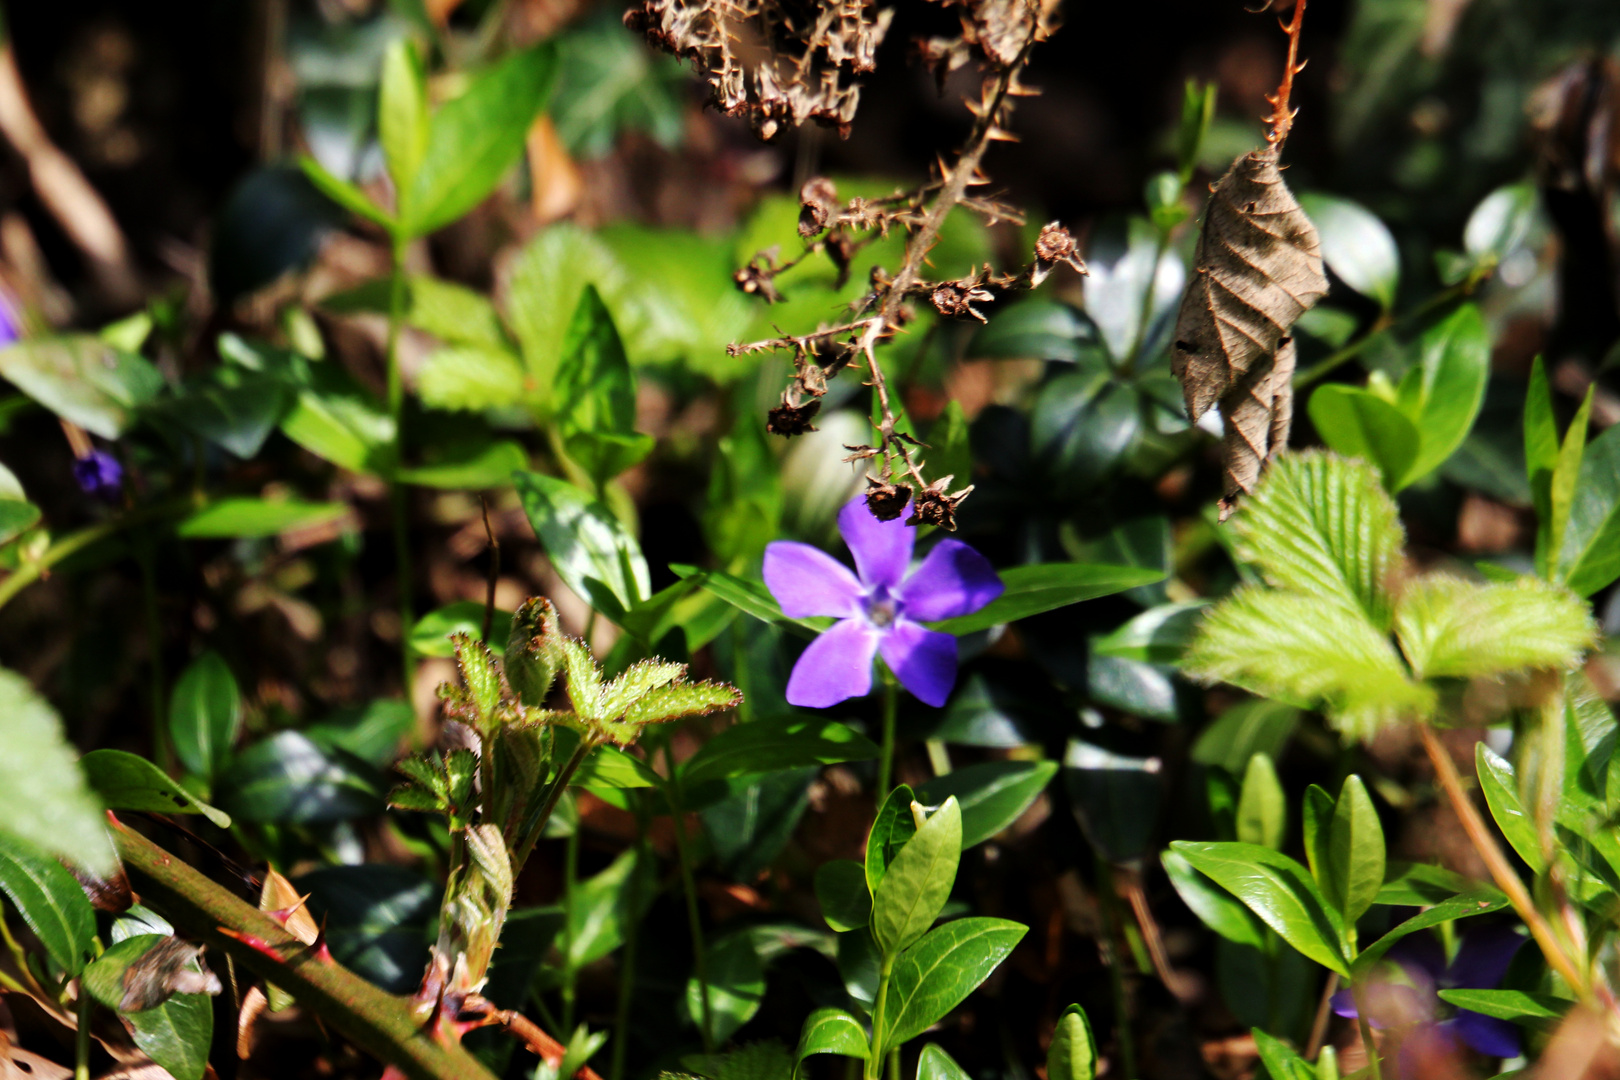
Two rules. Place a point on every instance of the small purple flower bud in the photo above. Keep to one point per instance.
(99, 475)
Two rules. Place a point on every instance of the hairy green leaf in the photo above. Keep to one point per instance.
(1451, 627)
(43, 796)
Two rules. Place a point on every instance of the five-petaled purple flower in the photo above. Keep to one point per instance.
(99, 474)
(1482, 960)
(881, 611)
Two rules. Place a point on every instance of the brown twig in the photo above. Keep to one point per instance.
(536, 1038)
(1324, 1010)
(1131, 883)
(494, 573)
(1282, 117)
(1502, 872)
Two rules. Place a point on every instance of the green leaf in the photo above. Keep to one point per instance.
(1418, 884)
(226, 405)
(49, 900)
(892, 827)
(1481, 901)
(1037, 329)
(1501, 788)
(918, 882)
(290, 778)
(767, 745)
(935, 1064)
(205, 715)
(1450, 627)
(43, 796)
(1356, 246)
(1540, 455)
(342, 424)
(476, 138)
(253, 518)
(1355, 852)
(1324, 527)
(489, 466)
(1072, 1054)
(1215, 907)
(1515, 1005)
(176, 1034)
(992, 794)
(610, 83)
(937, 974)
(1317, 819)
(344, 193)
(82, 379)
(1262, 812)
(596, 394)
(604, 905)
(587, 546)
(1562, 491)
(736, 986)
(1277, 889)
(1281, 1062)
(402, 112)
(846, 903)
(471, 378)
(431, 634)
(1500, 222)
(751, 597)
(1160, 635)
(1247, 728)
(1296, 649)
(831, 1031)
(1358, 423)
(1030, 590)
(610, 767)
(1443, 392)
(543, 291)
(126, 781)
(1589, 557)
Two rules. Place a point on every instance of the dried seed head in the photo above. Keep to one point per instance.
(954, 299)
(758, 278)
(1055, 245)
(818, 201)
(887, 501)
(935, 507)
(789, 420)
(832, 356)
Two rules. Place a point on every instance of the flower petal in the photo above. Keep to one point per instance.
(953, 580)
(1483, 956)
(836, 667)
(923, 660)
(1487, 1034)
(882, 549)
(807, 581)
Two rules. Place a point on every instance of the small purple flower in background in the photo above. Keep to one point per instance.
(10, 326)
(880, 611)
(1482, 960)
(99, 474)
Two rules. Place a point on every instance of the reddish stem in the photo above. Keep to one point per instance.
(1282, 117)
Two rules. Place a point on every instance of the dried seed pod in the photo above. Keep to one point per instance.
(790, 420)
(818, 202)
(887, 501)
(1258, 269)
(1258, 412)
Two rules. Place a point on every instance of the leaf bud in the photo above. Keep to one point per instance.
(532, 651)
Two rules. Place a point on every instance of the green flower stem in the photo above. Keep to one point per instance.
(1375, 1069)
(71, 544)
(1502, 872)
(1384, 325)
(377, 1022)
(81, 1038)
(570, 888)
(694, 920)
(534, 821)
(891, 707)
(396, 489)
(1108, 945)
(874, 1060)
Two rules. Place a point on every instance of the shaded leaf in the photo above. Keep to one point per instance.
(841, 890)
(44, 799)
(992, 794)
(82, 379)
(126, 781)
(50, 901)
(770, 744)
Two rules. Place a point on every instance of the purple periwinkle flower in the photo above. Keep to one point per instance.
(880, 608)
(99, 475)
(1412, 1003)
(10, 325)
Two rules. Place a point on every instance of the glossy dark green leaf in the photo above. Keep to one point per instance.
(603, 905)
(175, 1034)
(778, 743)
(431, 634)
(1589, 558)
(992, 794)
(50, 901)
(1281, 1062)
(1501, 788)
(475, 138)
(1262, 812)
(1116, 798)
(236, 409)
(1277, 889)
(1251, 727)
(750, 597)
(935, 1064)
(205, 715)
(1072, 1054)
(1359, 423)
(1036, 329)
(589, 548)
(736, 986)
(1215, 907)
(292, 779)
(373, 732)
(1033, 589)
(1515, 1005)
(377, 919)
(846, 903)
(1356, 246)
(937, 974)
(918, 882)
(1000, 714)
(893, 826)
(751, 825)
(1317, 814)
(1355, 852)
(253, 518)
(1482, 900)
(1501, 221)
(126, 781)
(831, 1031)
(1081, 425)
(82, 379)
(1442, 393)
(1145, 690)
(1157, 636)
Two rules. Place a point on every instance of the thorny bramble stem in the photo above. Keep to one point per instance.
(1282, 117)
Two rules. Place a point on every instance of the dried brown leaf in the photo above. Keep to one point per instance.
(1258, 412)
